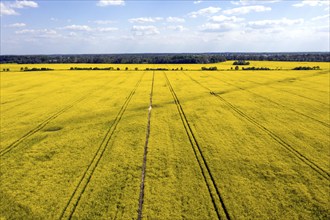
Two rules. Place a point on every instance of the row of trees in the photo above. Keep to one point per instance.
(241, 62)
(306, 68)
(210, 68)
(91, 68)
(36, 69)
(201, 58)
(255, 68)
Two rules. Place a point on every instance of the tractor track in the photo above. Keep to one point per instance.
(79, 190)
(275, 103)
(275, 137)
(292, 93)
(210, 182)
(144, 165)
(47, 121)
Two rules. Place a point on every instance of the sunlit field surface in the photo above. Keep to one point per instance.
(221, 144)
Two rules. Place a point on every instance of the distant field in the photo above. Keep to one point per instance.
(221, 144)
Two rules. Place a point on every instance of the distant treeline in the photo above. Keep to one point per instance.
(255, 68)
(200, 58)
(36, 69)
(306, 68)
(91, 68)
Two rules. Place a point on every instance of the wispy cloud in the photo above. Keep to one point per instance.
(320, 17)
(86, 28)
(108, 29)
(217, 27)
(312, 3)
(103, 22)
(16, 25)
(222, 18)
(253, 2)
(179, 28)
(8, 8)
(272, 23)
(76, 28)
(145, 30)
(198, 2)
(247, 9)
(175, 20)
(104, 3)
(204, 12)
(145, 20)
(37, 34)
(24, 4)
(35, 31)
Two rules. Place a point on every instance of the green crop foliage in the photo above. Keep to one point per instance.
(223, 144)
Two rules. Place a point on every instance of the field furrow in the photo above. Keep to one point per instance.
(251, 159)
(144, 164)
(278, 139)
(221, 209)
(70, 208)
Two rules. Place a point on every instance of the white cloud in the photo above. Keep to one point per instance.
(145, 30)
(73, 34)
(273, 23)
(204, 12)
(104, 3)
(103, 22)
(24, 4)
(145, 20)
(6, 10)
(179, 28)
(77, 28)
(175, 20)
(216, 27)
(325, 29)
(320, 17)
(198, 2)
(253, 2)
(247, 9)
(17, 25)
(108, 29)
(222, 18)
(312, 3)
(37, 31)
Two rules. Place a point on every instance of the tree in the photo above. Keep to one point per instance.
(236, 68)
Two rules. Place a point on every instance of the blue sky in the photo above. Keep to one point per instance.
(137, 26)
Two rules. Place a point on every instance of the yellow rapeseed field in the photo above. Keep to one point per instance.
(225, 144)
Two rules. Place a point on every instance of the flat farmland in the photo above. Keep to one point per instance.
(176, 144)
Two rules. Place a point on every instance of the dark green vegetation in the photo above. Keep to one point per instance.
(241, 62)
(306, 68)
(166, 58)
